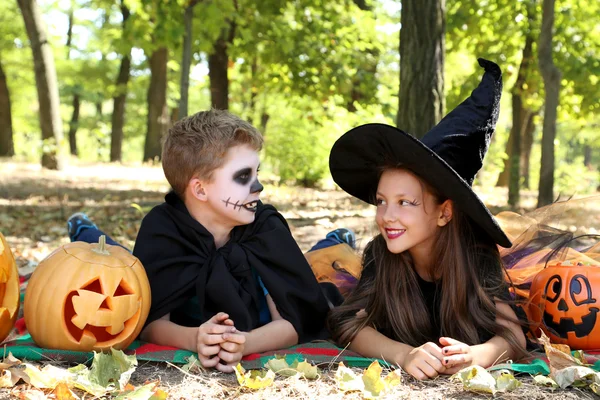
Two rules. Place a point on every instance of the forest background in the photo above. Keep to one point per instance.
(112, 75)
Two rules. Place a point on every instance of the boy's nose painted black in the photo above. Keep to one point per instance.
(256, 187)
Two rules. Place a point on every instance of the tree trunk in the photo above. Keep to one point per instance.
(526, 145)
(46, 84)
(253, 91)
(587, 155)
(503, 177)
(118, 115)
(519, 120)
(7, 147)
(74, 124)
(218, 63)
(158, 116)
(515, 153)
(186, 60)
(421, 100)
(508, 177)
(551, 76)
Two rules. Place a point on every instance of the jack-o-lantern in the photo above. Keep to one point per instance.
(87, 297)
(565, 300)
(9, 289)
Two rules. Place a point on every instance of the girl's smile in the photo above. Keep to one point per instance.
(394, 233)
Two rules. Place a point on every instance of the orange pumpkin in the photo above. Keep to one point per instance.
(9, 289)
(565, 303)
(87, 297)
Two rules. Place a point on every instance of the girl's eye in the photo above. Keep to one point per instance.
(379, 202)
(406, 203)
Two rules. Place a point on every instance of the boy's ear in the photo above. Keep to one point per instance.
(446, 212)
(196, 189)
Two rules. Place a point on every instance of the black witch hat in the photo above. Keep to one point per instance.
(448, 157)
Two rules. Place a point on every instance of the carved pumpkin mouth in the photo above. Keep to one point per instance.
(99, 325)
(566, 325)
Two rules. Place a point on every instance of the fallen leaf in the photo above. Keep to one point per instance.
(393, 378)
(306, 369)
(62, 392)
(115, 367)
(254, 379)
(149, 391)
(542, 380)
(373, 384)
(559, 355)
(476, 378)
(505, 381)
(193, 365)
(279, 365)
(575, 374)
(347, 380)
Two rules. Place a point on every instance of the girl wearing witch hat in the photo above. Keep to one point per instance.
(432, 297)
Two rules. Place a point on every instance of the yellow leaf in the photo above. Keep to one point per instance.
(280, 366)
(347, 380)
(254, 379)
(505, 381)
(46, 378)
(307, 370)
(476, 378)
(542, 380)
(62, 392)
(372, 381)
(393, 379)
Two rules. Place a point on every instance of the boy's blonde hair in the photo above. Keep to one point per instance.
(196, 145)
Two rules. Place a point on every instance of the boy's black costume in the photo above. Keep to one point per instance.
(181, 261)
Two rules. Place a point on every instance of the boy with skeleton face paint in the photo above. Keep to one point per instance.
(226, 275)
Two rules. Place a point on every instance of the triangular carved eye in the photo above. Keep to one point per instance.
(94, 286)
(123, 289)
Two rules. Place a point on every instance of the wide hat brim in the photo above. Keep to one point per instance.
(358, 157)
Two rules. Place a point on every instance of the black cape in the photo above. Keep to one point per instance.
(181, 261)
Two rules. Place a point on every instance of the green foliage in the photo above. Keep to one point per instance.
(301, 65)
(301, 132)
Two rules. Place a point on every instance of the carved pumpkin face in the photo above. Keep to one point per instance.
(565, 304)
(86, 297)
(9, 289)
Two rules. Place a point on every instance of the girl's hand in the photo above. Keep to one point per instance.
(456, 355)
(424, 362)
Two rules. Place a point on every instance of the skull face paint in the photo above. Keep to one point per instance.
(234, 191)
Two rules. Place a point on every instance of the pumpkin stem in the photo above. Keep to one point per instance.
(101, 249)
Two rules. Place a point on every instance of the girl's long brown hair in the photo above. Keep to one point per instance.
(466, 262)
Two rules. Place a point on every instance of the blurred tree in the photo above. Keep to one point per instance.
(186, 58)
(421, 99)
(120, 95)
(156, 28)
(552, 77)
(7, 147)
(46, 83)
(76, 89)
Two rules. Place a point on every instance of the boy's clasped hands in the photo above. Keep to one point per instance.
(431, 359)
(219, 344)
